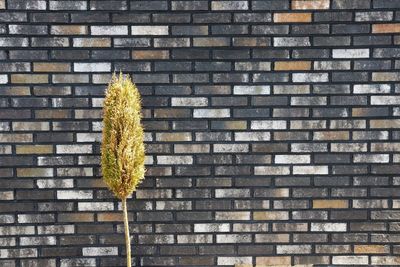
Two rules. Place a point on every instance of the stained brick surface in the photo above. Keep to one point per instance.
(272, 132)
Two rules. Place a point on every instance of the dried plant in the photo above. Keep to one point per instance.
(122, 148)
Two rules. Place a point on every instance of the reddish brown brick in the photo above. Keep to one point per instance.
(292, 17)
(386, 28)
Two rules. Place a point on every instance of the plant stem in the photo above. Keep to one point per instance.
(127, 237)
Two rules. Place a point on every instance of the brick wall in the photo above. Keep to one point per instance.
(272, 132)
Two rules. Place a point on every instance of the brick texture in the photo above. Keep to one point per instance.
(272, 132)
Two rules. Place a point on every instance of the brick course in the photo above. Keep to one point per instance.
(272, 132)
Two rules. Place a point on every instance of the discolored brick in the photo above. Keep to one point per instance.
(386, 28)
(314, 4)
(292, 17)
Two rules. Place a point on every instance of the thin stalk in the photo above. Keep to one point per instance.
(127, 237)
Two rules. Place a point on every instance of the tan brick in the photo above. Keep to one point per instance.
(34, 149)
(211, 41)
(30, 126)
(251, 41)
(150, 54)
(395, 123)
(53, 114)
(15, 138)
(7, 195)
(232, 125)
(2, 4)
(273, 261)
(370, 249)
(171, 113)
(271, 215)
(173, 137)
(232, 215)
(51, 67)
(386, 28)
(69, 30)
(29, 78)
(34, 172)
(112, 217)
(92, 42)
(330, 204)
(292, 65)
(292, 17)
(310, 4)
(385, 260)
(385, 76)
(331, 135)
(272, 238)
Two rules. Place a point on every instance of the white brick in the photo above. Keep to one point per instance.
(6, 218)
(56, 229)
(95, 206)
(328, 227)
(350, 53)
(211, 227)
(229, 5)
(385, 100)
(92, 67)
(234, 238)
(371, 158)
(231, 148)
(99, 251)
(55, 183)
(252, 90)
(88, 137)
(292, 159)
(109, 30)
(174, 160)
(195, 239)
(236, 261)
(87, 262)
(271, 170)
(189, 101)
(18, 253)
(74, 149)
(314, 170)
(310, 77)
(149, 30)
(3, 79)
(372, 88)
(232, 193)
(268, 124)
(211, 113)
(74, 194)
(350, 260)
(17, 230)
(37, 241)
(252, 136)
(293, 249)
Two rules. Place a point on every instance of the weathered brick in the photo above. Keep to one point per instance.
(330, 204)
(386, 28)
(69, 30)
(109, 30)
(229, 5)
(316, 4)
(292, 17)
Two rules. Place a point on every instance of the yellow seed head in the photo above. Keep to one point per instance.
(122, 148)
